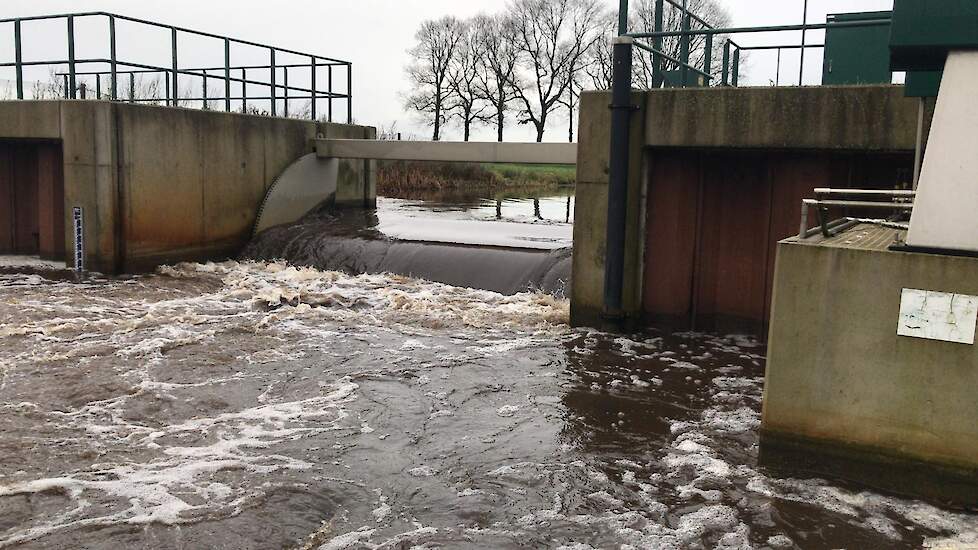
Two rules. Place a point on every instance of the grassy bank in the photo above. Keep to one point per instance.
(399, 179)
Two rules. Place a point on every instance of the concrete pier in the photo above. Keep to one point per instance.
(160, 185)
(844, 394)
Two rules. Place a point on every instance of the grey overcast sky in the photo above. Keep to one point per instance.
(373, 34)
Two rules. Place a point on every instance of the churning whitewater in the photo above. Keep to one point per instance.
(258, 405)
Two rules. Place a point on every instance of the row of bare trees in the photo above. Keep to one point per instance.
(531, 62)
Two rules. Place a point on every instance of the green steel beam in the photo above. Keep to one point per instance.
(227, 75)
(622, 17)
(71, 58)
(775, 28)
(176, 69)
(658, 25)
(726, 63)
(113, 68)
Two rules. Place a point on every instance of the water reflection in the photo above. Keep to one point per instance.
(555, 206)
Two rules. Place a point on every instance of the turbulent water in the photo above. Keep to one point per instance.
(497, 256)
(256, 405)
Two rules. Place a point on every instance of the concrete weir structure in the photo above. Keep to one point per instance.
(845, 394)
(716, 179)
(156, 184)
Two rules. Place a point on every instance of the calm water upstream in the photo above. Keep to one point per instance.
(257, 405)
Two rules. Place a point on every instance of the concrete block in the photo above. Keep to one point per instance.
(841, 381)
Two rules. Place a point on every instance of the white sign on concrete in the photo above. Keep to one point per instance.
(938, 316)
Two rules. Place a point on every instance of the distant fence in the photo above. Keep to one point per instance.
(278, 85)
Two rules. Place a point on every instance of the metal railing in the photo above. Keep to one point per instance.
(877, 199)
(730, 71)
(111, 68)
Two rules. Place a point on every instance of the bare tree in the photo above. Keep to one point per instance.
(552, 37)
(496, 36)
(597, 61)
(465, 100)
(437, 41)
(644, 21)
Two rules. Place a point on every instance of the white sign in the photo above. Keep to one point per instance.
(938, 316)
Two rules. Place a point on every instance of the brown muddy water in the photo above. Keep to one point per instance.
(258, 405)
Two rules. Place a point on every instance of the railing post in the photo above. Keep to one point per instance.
(349, 93)
(227, 75)
(708, 60)
(244, 90)
(98, 86)
(206, 106)
(329, 76)
(166, 74)
(735, 78)
(67, 88)
(777, 74)
(113, 67)
(285, 90)
(801, 69)
(726, 63)
(71, 57)
(132, 87)
(622, 17)
(684, 47)
(313, 88)
(621, 113)
(176, 86)
(272, 59)
(657, 62)
(19, 60)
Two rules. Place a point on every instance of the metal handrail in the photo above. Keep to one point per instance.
(899, 200)
(291, 92)
(730, 72)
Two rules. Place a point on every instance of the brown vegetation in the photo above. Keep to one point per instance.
(405, 179)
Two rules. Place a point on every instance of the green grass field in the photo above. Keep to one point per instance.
(561, 174)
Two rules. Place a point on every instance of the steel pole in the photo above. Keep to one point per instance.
(329, 84)
(272, 60)
(113, 65)
(708, 59)
(313, 88)
(684, 40)
(285, 98)
(622, 17)
(801, 69)
(19, 60)
(621, 113)
(726, 63)
(227, 75)
(176, 86)
(657, 62)
(349, 93)
(71, 57)
(735, 77)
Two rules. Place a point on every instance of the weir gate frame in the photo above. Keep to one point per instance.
(250, 74)
(622, 109)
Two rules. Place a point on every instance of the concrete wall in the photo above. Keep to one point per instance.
(852, 119)
(842, 385)
(162, 184)
(591, 210)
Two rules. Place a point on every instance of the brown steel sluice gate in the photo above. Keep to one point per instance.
(31, 199)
